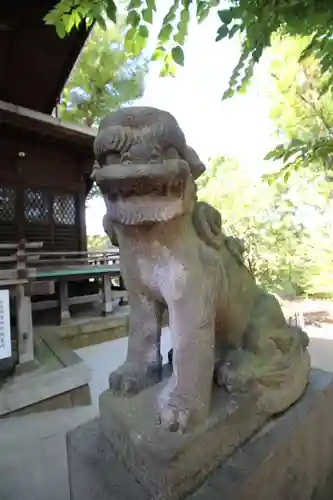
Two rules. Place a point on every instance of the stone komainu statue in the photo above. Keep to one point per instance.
(174, 255)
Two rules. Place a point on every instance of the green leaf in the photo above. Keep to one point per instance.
(276, 154)
(286, 176)
(271, 178)
(68, 21)
(51, 17)
(130, 34)
(139, 43)
(151, 5)
(228, 93)
(201, 6)
(182, 27)
(203, 16)
(184, 17)
(169, 67)
(143, 31)
(171, 14)
(233, 30)
(203, 9)
(89, 21)
(133, 18)
(296, 143)
(76, 19)
(101, 22)
(111, 11)
(179, 38)
(289, 153)
(165, 33)
(134, 4)
(178, 55)
(226, 16)
(222, 32)
(60, 29)
(147, 15)
(308, 49)
(158, 54)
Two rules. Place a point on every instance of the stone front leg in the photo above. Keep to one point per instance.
(186, 397)
(143, 363)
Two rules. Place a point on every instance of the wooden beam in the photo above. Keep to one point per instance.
(13, 282)
(43, 305)
(28, 245)
(45, 124)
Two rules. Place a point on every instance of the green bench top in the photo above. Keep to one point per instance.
(77, 271)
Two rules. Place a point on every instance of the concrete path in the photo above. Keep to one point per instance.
(33, 463)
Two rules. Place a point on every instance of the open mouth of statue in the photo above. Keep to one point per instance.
(174, 188)
(138, 194)
(135, 180)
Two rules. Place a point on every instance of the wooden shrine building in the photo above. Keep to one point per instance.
(45, 164)
(45, 167)
(44, 179)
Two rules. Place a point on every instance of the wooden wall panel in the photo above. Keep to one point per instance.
(49, 191)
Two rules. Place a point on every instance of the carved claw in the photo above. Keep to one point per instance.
(174, 419)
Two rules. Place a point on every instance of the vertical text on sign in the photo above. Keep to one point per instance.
(5, 335)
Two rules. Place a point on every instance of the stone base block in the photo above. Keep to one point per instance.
(290, 457)
(170, 464)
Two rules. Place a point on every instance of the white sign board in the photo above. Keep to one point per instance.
(5, 336)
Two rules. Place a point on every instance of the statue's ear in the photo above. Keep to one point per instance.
(196, 165)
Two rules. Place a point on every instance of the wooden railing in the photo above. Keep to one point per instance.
(27, 270)
(23, 259)
(16, 279)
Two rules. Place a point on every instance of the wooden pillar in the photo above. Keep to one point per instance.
(24, 326)
(65, 315)
(123, 299)
(106, 294)
(25, 337)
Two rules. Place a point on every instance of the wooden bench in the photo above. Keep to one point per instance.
(30, 272)
(63, 275)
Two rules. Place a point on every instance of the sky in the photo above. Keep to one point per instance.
(239, 127)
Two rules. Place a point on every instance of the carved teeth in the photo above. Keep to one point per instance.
(147, 187)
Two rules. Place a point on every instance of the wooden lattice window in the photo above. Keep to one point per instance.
(64, 211)
(36, 207)
(7, 204)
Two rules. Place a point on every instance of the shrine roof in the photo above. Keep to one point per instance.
(34, 62)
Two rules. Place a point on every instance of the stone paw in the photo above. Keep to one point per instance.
(174, 419)
(131, 378)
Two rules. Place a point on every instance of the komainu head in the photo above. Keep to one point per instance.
(144, 167)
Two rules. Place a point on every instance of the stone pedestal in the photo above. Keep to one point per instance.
(124, 455)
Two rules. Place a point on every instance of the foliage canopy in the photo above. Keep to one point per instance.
(255, 21)
(287, 227)
(105, 76)
(302, 109)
